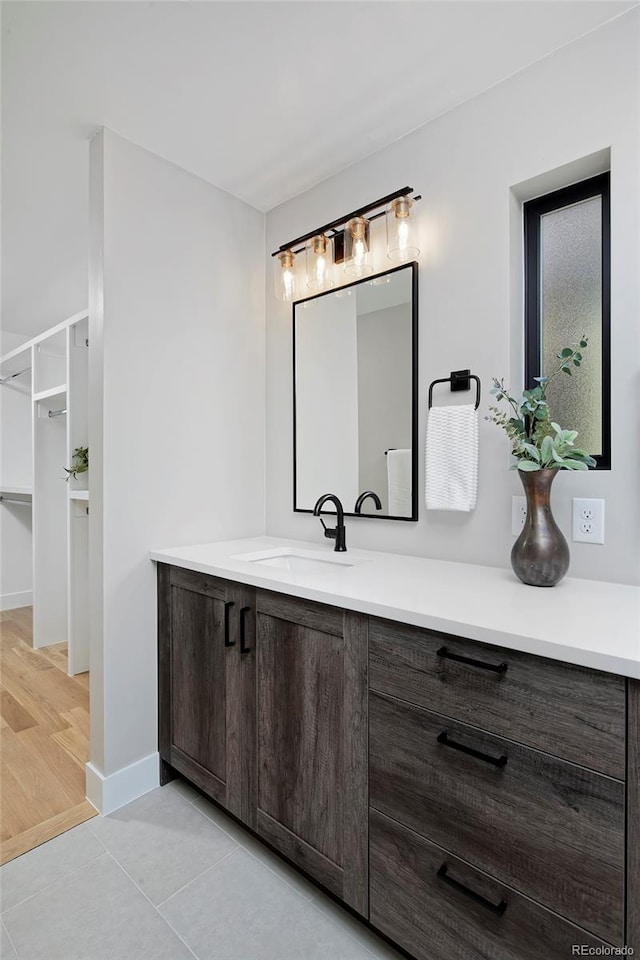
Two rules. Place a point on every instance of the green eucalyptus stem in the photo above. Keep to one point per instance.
(79, 463)
(537, 442)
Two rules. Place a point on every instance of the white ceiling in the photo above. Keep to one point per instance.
(263, 99)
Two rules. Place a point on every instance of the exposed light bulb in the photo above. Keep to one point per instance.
(288, 283)
(357, 248)
(403, 235)
(285, 277)
(401, 246)
(319, 252)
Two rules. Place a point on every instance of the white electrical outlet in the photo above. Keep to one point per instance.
(518, 515)
(588, 520)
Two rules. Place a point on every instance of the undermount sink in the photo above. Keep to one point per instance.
(296, 562)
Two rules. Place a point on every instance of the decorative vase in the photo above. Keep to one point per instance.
(540, 555)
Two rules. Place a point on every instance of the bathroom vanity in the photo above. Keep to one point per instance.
(455, 775)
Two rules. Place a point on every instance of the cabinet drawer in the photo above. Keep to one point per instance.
(551, 830)
(439, 908)
(564, 710)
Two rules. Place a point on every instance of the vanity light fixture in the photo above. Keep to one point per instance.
(357, 248)
(319, 253)
(401, 246)
(285, 278)
(347, 241)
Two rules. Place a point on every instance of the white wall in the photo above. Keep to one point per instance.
(384, 394)
(578, 101)
(176, 417)
(11, 341)
(16, 576)
(327, 400)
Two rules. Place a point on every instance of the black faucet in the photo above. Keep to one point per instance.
(363, 496)
(339, 533)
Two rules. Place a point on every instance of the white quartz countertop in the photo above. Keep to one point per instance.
(586, 622)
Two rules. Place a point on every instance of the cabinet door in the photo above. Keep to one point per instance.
(312, 791)
(201, 690)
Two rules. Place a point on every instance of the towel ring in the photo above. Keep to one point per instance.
(459, 380)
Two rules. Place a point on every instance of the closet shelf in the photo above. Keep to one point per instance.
(78, 494)
(13, 489)
(15, 360)
(16, 493)
(52, 392)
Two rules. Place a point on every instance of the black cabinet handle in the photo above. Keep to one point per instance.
(498, 908)
(443, 738)
(495, 667)
(244, 647)
(227, 609)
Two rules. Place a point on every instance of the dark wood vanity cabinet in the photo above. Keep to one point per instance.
(263, 705)
(472, 802)
(500, 793)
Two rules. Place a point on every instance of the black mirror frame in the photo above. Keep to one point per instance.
(414, 392)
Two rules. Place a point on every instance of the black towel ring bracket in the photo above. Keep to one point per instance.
(459, 380)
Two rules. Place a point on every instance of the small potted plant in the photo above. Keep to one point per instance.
(540, 555)
(79, 463)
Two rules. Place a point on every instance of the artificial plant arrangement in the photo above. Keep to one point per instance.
(79, 463)
(538, 442)
(541, 448)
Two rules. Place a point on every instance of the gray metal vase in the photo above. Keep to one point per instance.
(540, 555)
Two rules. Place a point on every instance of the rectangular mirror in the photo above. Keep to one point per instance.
(355, 358)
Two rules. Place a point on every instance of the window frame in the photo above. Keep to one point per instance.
(533, 211)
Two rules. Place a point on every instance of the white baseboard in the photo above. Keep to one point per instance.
(10, 601)
(109, 793)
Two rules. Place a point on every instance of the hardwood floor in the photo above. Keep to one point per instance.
(44, 739)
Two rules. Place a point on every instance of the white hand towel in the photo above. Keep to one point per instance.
(452, 458)
(399, 482)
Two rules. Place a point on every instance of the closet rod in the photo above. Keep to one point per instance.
(12, 376)
(57, 413)
(4, 499)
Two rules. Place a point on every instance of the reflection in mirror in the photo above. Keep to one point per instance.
(355, 358)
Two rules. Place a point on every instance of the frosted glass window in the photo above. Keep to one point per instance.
(567, 297)
(571, 305)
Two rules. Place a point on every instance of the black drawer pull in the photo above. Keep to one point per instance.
(228, 642)
(495, 761)
(494, 667)
(244, 647)
(498, 908)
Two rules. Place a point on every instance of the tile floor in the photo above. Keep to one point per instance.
(170, 876)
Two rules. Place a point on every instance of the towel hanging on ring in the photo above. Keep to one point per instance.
(451, 450)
